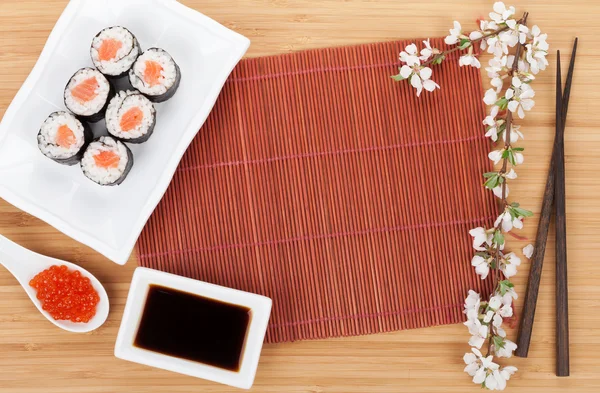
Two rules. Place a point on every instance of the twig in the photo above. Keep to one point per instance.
(503, 201)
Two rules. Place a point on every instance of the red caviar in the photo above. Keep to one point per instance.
(66, 295)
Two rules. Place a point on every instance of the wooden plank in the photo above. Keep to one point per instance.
(35, 357)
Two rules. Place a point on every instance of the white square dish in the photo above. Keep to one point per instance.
(110, 219)
(260, 307)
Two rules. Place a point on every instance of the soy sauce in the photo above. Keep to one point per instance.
(192, 327)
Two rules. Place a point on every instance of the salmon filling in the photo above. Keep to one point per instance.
(131, 119)
(109, 48)
(86, 90)
(65, 137)
(107, 159)
(152, 73)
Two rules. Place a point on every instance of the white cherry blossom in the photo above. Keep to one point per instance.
(495, 381)
(419, 77)
(508, 349)
(473, 323)
(480, 236)
(508, 222)
(498, 191)
(512, 175)
(496, 155)
(509, 263)
(509, 296)
(427, 51)
(515, 134)
(508, 371)
(508, 39)
(409, 55)
(480, 335)
(472, 363)
(469, 59)
(495, 302)
(519, 97)
(481, 265)
(455, 34)
(496, 45)
(537, 50)
(501, 14)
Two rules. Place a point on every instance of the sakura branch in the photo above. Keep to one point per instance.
(518, 54)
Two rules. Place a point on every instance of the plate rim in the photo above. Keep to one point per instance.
(122, 254)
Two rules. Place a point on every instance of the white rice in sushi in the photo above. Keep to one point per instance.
(61, 136)
(87, 92)
(167, 76)
(114, 50)
(94, 161)
(130, 116)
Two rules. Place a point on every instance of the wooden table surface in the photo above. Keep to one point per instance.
(37, 357)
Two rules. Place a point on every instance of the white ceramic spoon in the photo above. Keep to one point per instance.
(25, 264)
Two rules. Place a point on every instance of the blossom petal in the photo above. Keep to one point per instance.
(513, 105)
(405, 71)
(490, 382)
(451, 39)
(475, 35)
(411, 49)
(476, 341)
(528, 251)
(469, 358)
(479, 376)
(416, 82)
(490, 97)
(425, 73)
(430, 85)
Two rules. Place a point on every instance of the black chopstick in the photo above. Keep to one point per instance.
(562, 301)
(537, 259)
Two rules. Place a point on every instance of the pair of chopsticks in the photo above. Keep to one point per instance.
(554, 193)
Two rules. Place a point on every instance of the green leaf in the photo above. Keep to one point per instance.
(490, 174)
(502, 103)
(498, 342)
(522, 212)
(518, 148)
(511, 157)
(492, 182)
(514, 204)
(504, 286)
(464, 43)
(438, 59)
(498, 238)
(397, 78)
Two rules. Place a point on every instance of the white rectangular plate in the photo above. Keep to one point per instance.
(110, 219)
(260, 307)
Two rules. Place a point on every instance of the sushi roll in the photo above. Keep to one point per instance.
(107, 161)
(87, 94)
(63, 138)
(114, 50)
(130, 117)
(155, 74)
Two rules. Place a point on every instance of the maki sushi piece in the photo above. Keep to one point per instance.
(107, 161)
(114, 50)
(155, 74)
(130, 117)
(63, 138)
(87, 94)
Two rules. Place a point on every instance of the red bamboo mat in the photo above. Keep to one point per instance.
(323, 184)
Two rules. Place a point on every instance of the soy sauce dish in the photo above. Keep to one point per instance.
(194, 328)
